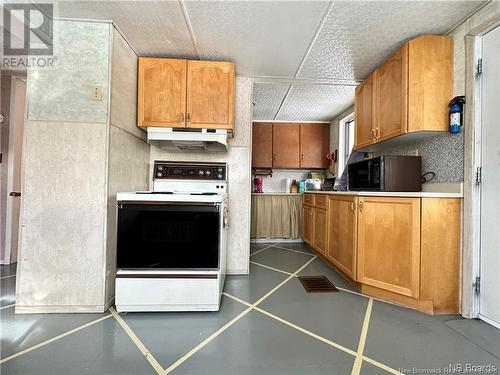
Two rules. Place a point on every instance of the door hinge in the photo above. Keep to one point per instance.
(478, 175)
(477, 285)
(479, 68)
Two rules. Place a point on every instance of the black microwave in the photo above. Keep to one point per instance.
(386, 173)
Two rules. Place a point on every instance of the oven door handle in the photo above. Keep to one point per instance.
(225, 219)
(169, 206)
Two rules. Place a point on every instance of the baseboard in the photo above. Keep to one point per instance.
(245, 271)
(60, 309)
(275, 240)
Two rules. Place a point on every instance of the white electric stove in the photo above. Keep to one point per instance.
(172, 241)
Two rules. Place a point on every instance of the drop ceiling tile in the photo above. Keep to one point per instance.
(316, 102)
(267, 98)
(359, 35)
(154, 28)
(263, 38)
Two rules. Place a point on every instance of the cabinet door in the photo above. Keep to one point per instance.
(342, 233)
(314, 145)
(391, 96)
(210, 94)
(286, 145)
(161, 93)
(363, 109)
(389, 244)
(262, 145)
(307, 224)
(320, 227)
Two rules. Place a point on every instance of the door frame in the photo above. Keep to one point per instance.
(471, 253)
(10, 170)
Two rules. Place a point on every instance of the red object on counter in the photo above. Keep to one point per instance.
(257, 183)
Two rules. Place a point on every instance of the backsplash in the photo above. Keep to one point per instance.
(442, 154)
(276, 183)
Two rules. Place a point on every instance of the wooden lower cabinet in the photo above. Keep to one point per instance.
(401, 249)
(389, 244)
(342, 227)
(320, 230)
(307, 223)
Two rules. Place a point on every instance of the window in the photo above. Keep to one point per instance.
(346, 142)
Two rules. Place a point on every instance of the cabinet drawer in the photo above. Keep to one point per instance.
(308, 199)
(320, 201)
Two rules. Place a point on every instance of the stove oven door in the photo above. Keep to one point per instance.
(174, 236)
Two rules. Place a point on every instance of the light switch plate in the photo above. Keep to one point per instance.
(96, 93)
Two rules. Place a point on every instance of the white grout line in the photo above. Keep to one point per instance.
(151, 359)
(258, 251)
(43, 343)
(4, 307)
(4, 277)
(312, 334)
(206, 341)
(231, 322)
(271, 268)
(293, 250)
(356, 368)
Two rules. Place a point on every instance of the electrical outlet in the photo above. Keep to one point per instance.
(96, 93)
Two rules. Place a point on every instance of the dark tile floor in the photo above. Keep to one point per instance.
(267, 324)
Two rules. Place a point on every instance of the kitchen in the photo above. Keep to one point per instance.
(154, 145)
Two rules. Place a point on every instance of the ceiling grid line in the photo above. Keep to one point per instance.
(308, 50)
(189, 27)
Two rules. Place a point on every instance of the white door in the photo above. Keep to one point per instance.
(17, 113)
(489, 309)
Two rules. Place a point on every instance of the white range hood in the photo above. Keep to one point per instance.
(214, 140)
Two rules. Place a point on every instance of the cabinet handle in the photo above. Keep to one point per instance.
(302, 156)
(188, 117)
(183, 117)
(377, 133)
(371, 134)
(360, 207)
(353, 207)
(274, 157)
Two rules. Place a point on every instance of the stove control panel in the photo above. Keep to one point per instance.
(190, 171)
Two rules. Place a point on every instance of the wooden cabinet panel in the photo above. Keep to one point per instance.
(430, 82)
(363, 109)
(314, 145)
(391, 96)
(389, 244)
(307, 224)
(342, 233)
(286, 145)
(262, 145)
(210, 94)
(321, 201)
(320, 230)
(161, 92)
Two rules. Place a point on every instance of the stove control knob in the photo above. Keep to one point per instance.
(159, 174)
(160, 167)
(219, 176)
(208, 173)
(201, 173)
(219, 170)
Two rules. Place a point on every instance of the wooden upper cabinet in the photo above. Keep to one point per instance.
(409, 93)
(391, 99)
(161, 92)
(363, 108)
(389, 244)
(430, 82)
(286, 145)
(342, 233)
(262, 145)
(210, 94)
(314, 145)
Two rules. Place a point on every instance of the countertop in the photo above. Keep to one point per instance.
(278, 193)
(419, 194)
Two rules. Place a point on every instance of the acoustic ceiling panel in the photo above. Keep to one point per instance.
(267, 98)
(315, 102)
(154, 28)
(359, 35)
(263, 38)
